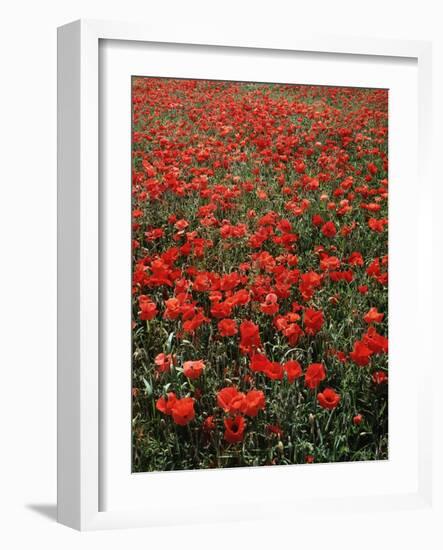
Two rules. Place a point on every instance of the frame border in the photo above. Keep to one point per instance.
(78, 251)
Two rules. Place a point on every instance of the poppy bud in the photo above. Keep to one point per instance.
(280, 447)
(311, 419)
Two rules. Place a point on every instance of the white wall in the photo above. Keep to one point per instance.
(28, 253)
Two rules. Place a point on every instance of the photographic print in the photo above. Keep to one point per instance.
(259, 274)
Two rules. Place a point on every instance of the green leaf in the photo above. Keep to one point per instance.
(148, 387)
(169, 342)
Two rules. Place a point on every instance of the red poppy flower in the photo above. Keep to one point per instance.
(193, 324)
(150, 170)
(309, 282)
(274, 429)
(356, 259)
(315, 373)
(234, 429)
(311, 279)
(165, 405)
(193, 369)
(357, 420)
(313, 321)
(340, 355)
(249, 337)
(183, 411)
(209, 424)
(293, 370)
(181, 225)
(379, 377)
(155, 234)
(375, 342)
(372, 168)
(231, 400)
(202, 282)
(161, 274)
(373, 316)
(273, 370)
(227, 327)
(376, 224)
(164, 361)
(299, 166)
(329, 229)
(221, 309)
(259, 362)
(361, 354)
(254, 402)
(172, 308)
(293, 333)
(270, 305)
(374, 268)
(148, 309)
(328, 399)
(341, 276)
(329, 263)
(240, 298)
(230, 281)
(317, 220)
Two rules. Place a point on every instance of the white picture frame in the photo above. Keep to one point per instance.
(80, 419)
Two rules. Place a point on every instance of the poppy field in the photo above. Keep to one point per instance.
(259, 274)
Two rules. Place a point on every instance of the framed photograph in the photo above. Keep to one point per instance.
(242, 230)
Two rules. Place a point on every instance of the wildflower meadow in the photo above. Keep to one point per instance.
(259, 274)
